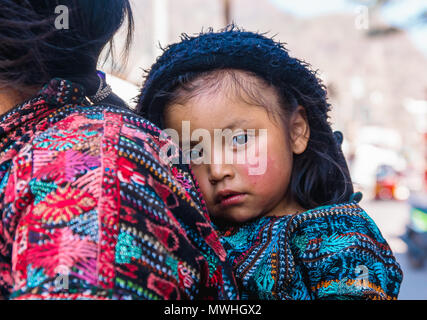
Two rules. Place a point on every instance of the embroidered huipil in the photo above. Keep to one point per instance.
(90, 211)
(330, 252)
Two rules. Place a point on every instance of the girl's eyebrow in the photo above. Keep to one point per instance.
(236, 123)
(189, 143)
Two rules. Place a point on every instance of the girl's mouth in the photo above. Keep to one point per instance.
(229, 198)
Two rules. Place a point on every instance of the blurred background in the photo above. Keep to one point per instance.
(372, 56)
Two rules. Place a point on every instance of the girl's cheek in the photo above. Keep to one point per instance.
(197, 173)
(257, 161)
(261, 181)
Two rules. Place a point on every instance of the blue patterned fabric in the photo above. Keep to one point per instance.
(330, 252)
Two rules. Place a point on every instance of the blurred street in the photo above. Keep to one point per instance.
(392, 218)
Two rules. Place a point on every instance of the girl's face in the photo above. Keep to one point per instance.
(231, 190)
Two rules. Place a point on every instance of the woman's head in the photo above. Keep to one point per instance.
(33, 50)
(319, 173)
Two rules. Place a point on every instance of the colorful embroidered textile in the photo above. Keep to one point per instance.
(90, 211)
(331, 252)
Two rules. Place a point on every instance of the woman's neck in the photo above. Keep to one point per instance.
(10, 97)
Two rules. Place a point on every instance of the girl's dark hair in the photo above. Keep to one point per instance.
(320, 175)
(33, 50)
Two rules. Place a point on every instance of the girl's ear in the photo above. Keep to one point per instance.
(299, 130)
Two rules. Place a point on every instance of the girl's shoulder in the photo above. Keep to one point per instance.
(344, 217)
(332, 228)
(338, 218)
(338, 249)
(343, 253)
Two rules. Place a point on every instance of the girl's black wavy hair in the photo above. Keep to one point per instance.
(33, 51)
(320, 175)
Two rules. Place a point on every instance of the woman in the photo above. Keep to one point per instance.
(89, 207)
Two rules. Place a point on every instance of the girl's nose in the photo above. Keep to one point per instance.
(218, 172)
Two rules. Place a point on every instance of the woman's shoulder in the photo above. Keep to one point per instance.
(89, 163)
(72, 116)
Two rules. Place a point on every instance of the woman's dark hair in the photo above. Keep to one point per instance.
(320, 175)
(33, 50)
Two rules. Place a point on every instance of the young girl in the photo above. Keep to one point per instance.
(294, 230)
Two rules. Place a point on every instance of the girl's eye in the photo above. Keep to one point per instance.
(194, 154)
(240, 139)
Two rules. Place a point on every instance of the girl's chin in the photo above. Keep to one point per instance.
(231, 217)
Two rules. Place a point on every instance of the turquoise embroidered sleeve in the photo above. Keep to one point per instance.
(332, 252)
(343, 255)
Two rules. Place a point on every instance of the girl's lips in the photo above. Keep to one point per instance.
(233, 200)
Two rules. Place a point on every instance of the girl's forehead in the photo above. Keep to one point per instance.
(231, 83)
(223, 96)
(219, 111)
